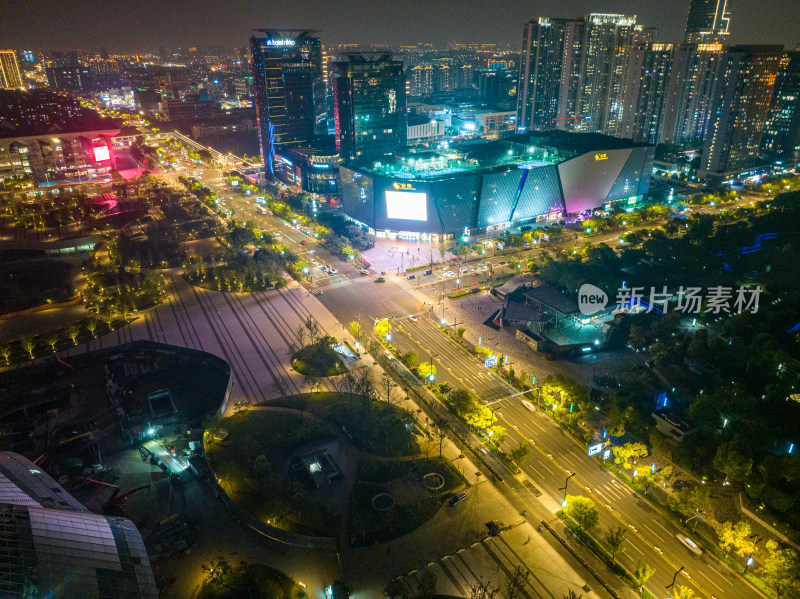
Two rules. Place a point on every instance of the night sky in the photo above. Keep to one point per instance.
(143, 25)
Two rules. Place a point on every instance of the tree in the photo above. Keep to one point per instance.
(781, 570)
(645, 478)
(355, 330)
(383, 327)
(426, 586)
(732, 460)
(91, 325)
(514, 584)
(396, 589)
(642, 574)
(690, 503)
(482, 590)
(52, 340)
(439, 429)
(583, 511)
(520, 452)
(461, 400)
(460, 332)
(630, 450)
(28, 345)
(681, 592)
(479, 417)
(737, 537)
(615, 538)
(426, 371)
(666, 474)
(410, 359)
(218, 572)
(570, 594)
(5, 351)
(388, 384)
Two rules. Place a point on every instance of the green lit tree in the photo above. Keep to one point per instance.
(583, 511)
(615, 538)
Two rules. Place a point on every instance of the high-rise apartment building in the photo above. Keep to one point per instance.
(288, 89)
(708, 21)
(649, 70)
(687, 110)
(369, 105)
(741, 100)
(421, 80)
(573, 71)
(70, 78)
(547, 70)
(781, 138)
(10, 75)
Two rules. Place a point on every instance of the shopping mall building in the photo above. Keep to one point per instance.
(485, 186)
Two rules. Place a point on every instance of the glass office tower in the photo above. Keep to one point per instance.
(289, 90)
(369, 105)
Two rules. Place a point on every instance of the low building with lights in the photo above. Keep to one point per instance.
(484, 186)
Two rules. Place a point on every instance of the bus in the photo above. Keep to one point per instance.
(261, 210)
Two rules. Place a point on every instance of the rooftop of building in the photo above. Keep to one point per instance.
(522, 150)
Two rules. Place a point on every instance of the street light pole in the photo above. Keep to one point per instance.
(749, 559)
(672, 584)
(564, 488)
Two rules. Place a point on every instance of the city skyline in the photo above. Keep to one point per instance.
(64, 25)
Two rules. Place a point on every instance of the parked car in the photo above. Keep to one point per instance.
(428, 272)
(409, 277)
(380, 280)
(456, 499)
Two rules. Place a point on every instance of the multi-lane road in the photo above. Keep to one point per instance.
(651, 537)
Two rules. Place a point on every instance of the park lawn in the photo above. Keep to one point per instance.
(318, 360)
(255, 581)
(275, 435)
(196, 388)
(377, 428)
(369, 525)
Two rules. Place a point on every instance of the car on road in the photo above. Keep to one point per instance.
(448, 274)
(276, 234)
(303, 242)
(380, 280)
(332, 271)
(528, 405)
(412, 317)
(501, 263)
(428, 272)
(692, 546)
(364, 271)
(409, 277)
(456, 499)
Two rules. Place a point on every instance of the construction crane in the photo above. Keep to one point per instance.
(115, 503)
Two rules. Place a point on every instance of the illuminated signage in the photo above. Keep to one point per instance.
(595, 449)
(406, 206)
(318, 165)
(101, 153)
(403, 186)
(271, 42)
(602, 156)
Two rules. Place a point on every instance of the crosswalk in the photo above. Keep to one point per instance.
(337, 281)
(490, 560)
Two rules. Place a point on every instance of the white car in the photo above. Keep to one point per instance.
(332, 271)
(528, 405)
(693, 547)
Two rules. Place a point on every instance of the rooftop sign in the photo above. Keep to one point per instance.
(273, 42)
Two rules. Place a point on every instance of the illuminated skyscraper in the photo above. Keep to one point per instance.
(10, 76)
(741, 100)
(782, 134)
(688, 100)
(573, 71)
(708, 21)
(289, 90)
(548, 70)
(649, 69)
(369, 105)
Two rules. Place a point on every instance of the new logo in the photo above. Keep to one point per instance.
(591, 299)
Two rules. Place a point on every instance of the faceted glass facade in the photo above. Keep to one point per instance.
(51, 546)
(461, 195)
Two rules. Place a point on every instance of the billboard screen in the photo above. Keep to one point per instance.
(101, 153)
(404, 205)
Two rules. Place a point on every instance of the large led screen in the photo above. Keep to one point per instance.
(101, 154)
(405, 205)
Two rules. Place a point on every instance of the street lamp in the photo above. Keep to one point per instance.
(672, 584)
(749, 560)
(564, 488)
